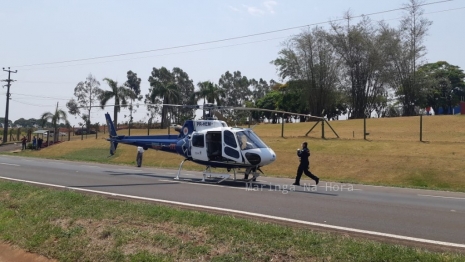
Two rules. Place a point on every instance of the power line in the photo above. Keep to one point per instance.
(48, 97)
(142, 57)
(224, 39)
(30, 104)
(45, 82)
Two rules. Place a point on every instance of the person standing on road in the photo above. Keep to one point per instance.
(34, 143)
(39, 143)
(304, 165)
(140, 152)
(23, 143)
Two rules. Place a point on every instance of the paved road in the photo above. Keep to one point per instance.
(404, 214)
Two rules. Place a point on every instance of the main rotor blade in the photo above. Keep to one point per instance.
(215, 107)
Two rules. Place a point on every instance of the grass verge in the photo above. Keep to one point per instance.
(70, 226)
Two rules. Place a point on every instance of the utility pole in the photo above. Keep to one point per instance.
(9, 80)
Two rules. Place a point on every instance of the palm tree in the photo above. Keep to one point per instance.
(121, 95)
(170, 94)
(209, 92)
(55, 118)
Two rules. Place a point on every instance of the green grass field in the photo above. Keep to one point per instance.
(70, 226)
(393, 154)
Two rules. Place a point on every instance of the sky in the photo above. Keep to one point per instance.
(205, 38)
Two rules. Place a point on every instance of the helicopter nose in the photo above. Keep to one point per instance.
(269, 156)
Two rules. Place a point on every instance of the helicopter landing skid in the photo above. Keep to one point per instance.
(223, 177)
(254, 177)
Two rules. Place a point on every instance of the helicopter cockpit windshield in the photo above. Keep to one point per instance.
(249, 140)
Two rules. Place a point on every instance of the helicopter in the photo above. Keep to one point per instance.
(209, 142)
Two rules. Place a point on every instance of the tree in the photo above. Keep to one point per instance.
(404, 53)
(87, 94)
(55, 118)
(2, 121)
(163, 86)
(209, 92)
(269, 101)
(185, 86)
(447, 85)
(153, 107)
(236, 92)
(235, 87)
(26, 122)
(121, 95)
(311, 67)
(360, 48)
(133, 84)
(259, 88)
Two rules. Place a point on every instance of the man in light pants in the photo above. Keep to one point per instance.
(140, 151)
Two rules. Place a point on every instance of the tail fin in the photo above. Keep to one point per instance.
(112, 132)
(186, 129)
(111, 127)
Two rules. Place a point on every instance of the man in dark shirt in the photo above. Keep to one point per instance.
(304, 165)
(23, 143)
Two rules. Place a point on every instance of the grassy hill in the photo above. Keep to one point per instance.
(393, 154)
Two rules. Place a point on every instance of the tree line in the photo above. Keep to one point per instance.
(366, 67)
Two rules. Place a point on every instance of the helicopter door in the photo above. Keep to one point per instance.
(230, 146)
(198, 149)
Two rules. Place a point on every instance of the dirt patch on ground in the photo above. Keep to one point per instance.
(10, 147)
(9, 253)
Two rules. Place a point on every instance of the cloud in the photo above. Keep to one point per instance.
(234, 8)
(269, 5)
(254, 11)
(268, 8)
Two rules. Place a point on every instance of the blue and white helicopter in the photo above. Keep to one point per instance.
(208, 142)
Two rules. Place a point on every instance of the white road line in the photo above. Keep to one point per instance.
(8, 164)
(460, 198)
(302, 222)
(166, 180)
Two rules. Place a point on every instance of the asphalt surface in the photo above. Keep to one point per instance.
(434, 217)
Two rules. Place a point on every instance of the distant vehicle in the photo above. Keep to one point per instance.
(51, 133)
(84, 131)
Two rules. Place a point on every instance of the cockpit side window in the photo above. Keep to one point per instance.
(198, 140)
(249, 140)
(230, 139)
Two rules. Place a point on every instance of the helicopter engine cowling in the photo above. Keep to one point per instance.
(178, 128)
